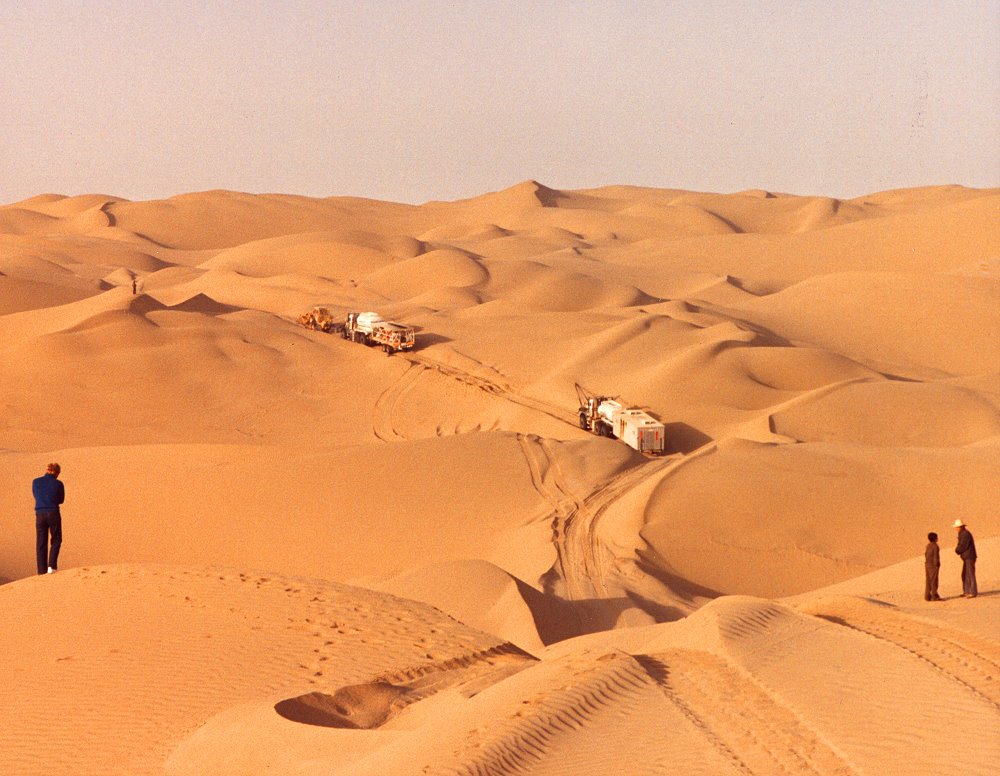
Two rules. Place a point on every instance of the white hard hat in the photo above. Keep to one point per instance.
(958, 523)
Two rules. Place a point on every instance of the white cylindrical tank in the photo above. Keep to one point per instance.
(607, 409)
(365, 321)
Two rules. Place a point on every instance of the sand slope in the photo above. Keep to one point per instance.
(230, 672)
(135, 656)
(828, 373)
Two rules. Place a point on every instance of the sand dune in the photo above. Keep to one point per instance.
(287, 553)
(835, 312)
(839, 510)
(224, 219)
(427, 272)
(350, 681)
(185, 643)
(892, 413)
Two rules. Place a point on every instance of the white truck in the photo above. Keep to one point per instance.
(372, 329)
(604, 416)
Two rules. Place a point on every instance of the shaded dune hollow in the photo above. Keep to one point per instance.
(363, 706)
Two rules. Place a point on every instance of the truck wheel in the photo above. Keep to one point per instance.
(583, 422)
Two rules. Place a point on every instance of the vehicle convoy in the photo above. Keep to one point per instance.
(604, 416)
(366, 328)
(372, 329)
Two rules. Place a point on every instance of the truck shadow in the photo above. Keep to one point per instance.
(682, 438)
(424, 339)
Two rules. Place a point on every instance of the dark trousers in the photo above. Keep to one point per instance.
(969, 577)
(47, 523)
(931, 584)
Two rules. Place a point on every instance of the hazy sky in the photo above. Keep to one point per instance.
(412, 100)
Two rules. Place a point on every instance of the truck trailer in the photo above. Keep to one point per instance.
(371, 329)
(604, 416)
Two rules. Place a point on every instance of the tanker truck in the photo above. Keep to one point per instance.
(372, 329)
(604, 416)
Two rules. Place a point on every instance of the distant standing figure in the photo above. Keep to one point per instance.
(133, 286)
(49, 493)
(932, 563)
(966, 549)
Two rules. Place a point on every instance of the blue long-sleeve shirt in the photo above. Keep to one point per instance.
(49, 493)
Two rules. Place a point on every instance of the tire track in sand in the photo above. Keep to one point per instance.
(495, 387)
(757, 733)
(385, 405)
(969, 660)
(561, 503)
(571, 701)
(589, 565)
(584, 541)
(384, 428)
(583, 561)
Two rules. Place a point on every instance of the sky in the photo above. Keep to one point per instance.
(417, 100)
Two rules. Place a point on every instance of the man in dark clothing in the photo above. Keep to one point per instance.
(49, 493)
(966, 549)
(932, 563)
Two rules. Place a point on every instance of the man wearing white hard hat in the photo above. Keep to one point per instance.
(966, 549)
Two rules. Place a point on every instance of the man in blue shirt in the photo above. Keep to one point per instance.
(49, 493)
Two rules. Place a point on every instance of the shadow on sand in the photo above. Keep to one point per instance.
(682, 438)
(425, 340)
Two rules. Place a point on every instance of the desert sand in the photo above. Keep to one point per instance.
(286, 553)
